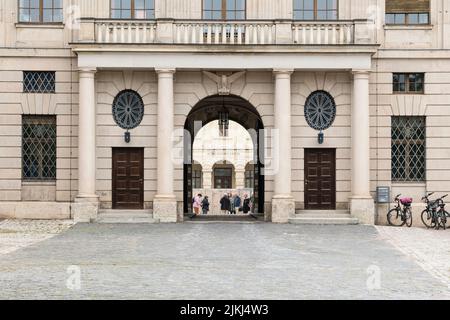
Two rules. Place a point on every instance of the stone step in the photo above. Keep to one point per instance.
(125, 216)
(324, 217)
(323, 213)
(225, 218)
(324, 221)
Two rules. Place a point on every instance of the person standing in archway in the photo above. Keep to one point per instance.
(225, 204)
(197, 204)
(205, 205)
(237, 202)
(246, 208)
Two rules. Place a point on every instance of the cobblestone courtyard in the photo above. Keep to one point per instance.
(222, 261)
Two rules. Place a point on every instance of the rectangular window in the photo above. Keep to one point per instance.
(408, 82)
(41, 11)
(408, 149)
(407, 12)
(39, 148)
(223, 178)
(197, 179)
(316, 9)
(133, 9)
(39, 81)
(224, 9)
(249, 179)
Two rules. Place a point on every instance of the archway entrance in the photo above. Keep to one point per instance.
(224, 110)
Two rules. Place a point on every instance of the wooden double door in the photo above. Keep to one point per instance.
(128, 178)
(320, 179)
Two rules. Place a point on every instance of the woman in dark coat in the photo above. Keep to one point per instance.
(225, 204)
(246, 207)
(205, 205)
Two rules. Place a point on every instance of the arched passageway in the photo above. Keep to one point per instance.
(224, 109)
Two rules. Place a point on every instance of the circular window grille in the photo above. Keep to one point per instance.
(128, 109)
(320, 110)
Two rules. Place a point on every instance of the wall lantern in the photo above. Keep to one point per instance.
(127, 136)
(321, 137)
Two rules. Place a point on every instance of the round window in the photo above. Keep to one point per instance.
(320, 110)
(128, 109)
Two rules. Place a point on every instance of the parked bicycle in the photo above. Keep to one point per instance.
(401, 214)
(435, 215)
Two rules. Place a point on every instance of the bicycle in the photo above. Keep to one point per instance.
(400, 216)
(435, 216)
(442, 215)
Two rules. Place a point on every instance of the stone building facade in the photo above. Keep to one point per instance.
(95, 98)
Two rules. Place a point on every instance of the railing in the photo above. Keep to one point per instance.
(327, 33)
(230, 33)
(250, 32)
(115, 31)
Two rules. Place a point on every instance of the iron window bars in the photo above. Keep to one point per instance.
(39, 148)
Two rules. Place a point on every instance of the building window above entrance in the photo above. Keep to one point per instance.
(408, 82)
(41, 11)
(320, 110)
(316, 9)
(407, 12)
(224, 9)
(128, 109)
(133, 9)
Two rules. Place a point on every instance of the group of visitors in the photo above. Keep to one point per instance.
(200, 203)
(229, 204)
(232, 204)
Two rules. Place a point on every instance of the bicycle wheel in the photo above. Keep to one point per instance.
(427, 219)
(394, 218)
(408, 217)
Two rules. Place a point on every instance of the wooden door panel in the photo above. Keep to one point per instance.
(128, 178)
(320, 179)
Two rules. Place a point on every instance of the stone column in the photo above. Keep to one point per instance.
(283, 204)
(165, 203)
(361, 204)
(85, 208)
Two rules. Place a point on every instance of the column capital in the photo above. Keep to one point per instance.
(283, 72)
(165, 70)
(88, 70)
(361, 73)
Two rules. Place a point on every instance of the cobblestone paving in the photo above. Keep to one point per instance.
(428, 247)
(216, 261)
(17, 234)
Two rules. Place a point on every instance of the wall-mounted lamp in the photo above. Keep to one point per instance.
(127, 137)
(321, 137)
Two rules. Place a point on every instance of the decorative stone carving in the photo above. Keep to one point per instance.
(223, 81)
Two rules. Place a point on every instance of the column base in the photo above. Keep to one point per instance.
(85, 209)
(165, 209)
(363, 209)
(283, 208)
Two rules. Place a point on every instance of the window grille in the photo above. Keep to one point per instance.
(39, 148)
(39, 82)
(408, 149)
